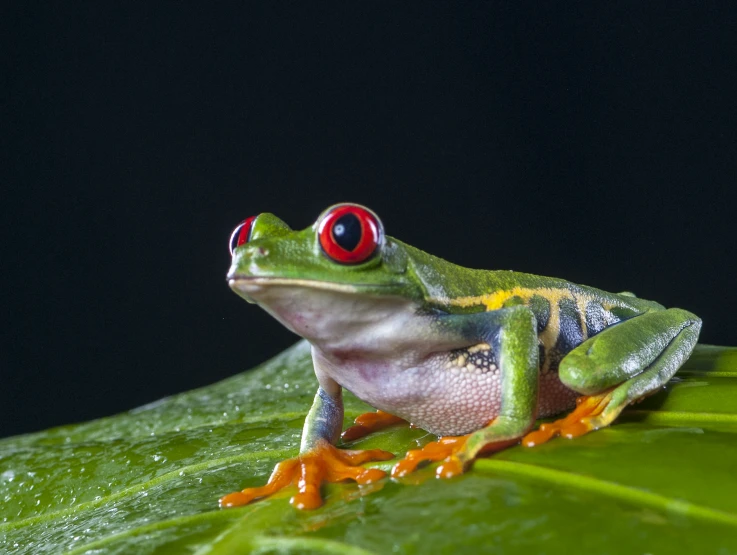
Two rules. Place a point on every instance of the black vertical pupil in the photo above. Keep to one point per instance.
(347, 231)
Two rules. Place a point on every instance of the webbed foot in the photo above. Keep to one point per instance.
(456, 452)
(308, 471)
(445, 449)
(586, 417)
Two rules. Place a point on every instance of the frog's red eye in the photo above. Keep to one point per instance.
(349, 234)
(241, 234)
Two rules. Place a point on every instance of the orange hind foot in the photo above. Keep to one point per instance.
(584, 418)
(445, 448)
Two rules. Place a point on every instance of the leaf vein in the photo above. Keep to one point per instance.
(610, 489)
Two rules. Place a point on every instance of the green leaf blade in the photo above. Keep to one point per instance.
(662, 479)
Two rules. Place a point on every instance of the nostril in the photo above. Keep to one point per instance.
(255, 251)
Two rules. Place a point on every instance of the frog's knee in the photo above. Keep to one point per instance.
(581, 373)
(691, 320)
(685, 325)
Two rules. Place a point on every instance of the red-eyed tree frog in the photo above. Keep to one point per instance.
(472, 356)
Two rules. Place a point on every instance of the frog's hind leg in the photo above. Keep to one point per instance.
(512, 334)
(619, 366)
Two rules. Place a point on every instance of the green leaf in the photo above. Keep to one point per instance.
(663, 479)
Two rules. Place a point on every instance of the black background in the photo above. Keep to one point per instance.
(593, 142)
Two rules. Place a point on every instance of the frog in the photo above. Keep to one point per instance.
(475, 357)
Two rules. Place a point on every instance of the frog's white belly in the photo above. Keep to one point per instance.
(450, 394)
(439, 396)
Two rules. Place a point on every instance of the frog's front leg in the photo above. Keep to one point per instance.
(619, 366)
(319, 460)
(512, 334)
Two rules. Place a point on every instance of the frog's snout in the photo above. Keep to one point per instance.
(247, 260)
(252, 253)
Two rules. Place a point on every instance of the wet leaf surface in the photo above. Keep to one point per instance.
(663, 479)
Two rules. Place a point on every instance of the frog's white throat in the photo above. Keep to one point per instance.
(334, 317)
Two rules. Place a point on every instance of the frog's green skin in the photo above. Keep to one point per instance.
(450, 349)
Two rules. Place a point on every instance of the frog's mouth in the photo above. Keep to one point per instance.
(249, 287)
(254, 284)
(290, 299)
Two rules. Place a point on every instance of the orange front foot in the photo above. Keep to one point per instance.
(582, 420)
(446, 448)
(325, 463)
(370, 422)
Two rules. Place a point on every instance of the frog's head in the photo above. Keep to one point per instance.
(343, 254)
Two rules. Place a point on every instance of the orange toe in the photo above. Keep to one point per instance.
(370, 422)
(281, 477)
(309, 471)
(449, 468)
(577, 423)
(444, 448)
(235, 499)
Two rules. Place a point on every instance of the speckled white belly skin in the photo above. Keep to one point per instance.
(451, 393)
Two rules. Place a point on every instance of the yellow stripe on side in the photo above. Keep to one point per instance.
(549, 336)
(496, 300)
(581, 308)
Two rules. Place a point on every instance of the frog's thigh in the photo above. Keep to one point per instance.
(634, 357)
(512, 334)
(518, 350)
